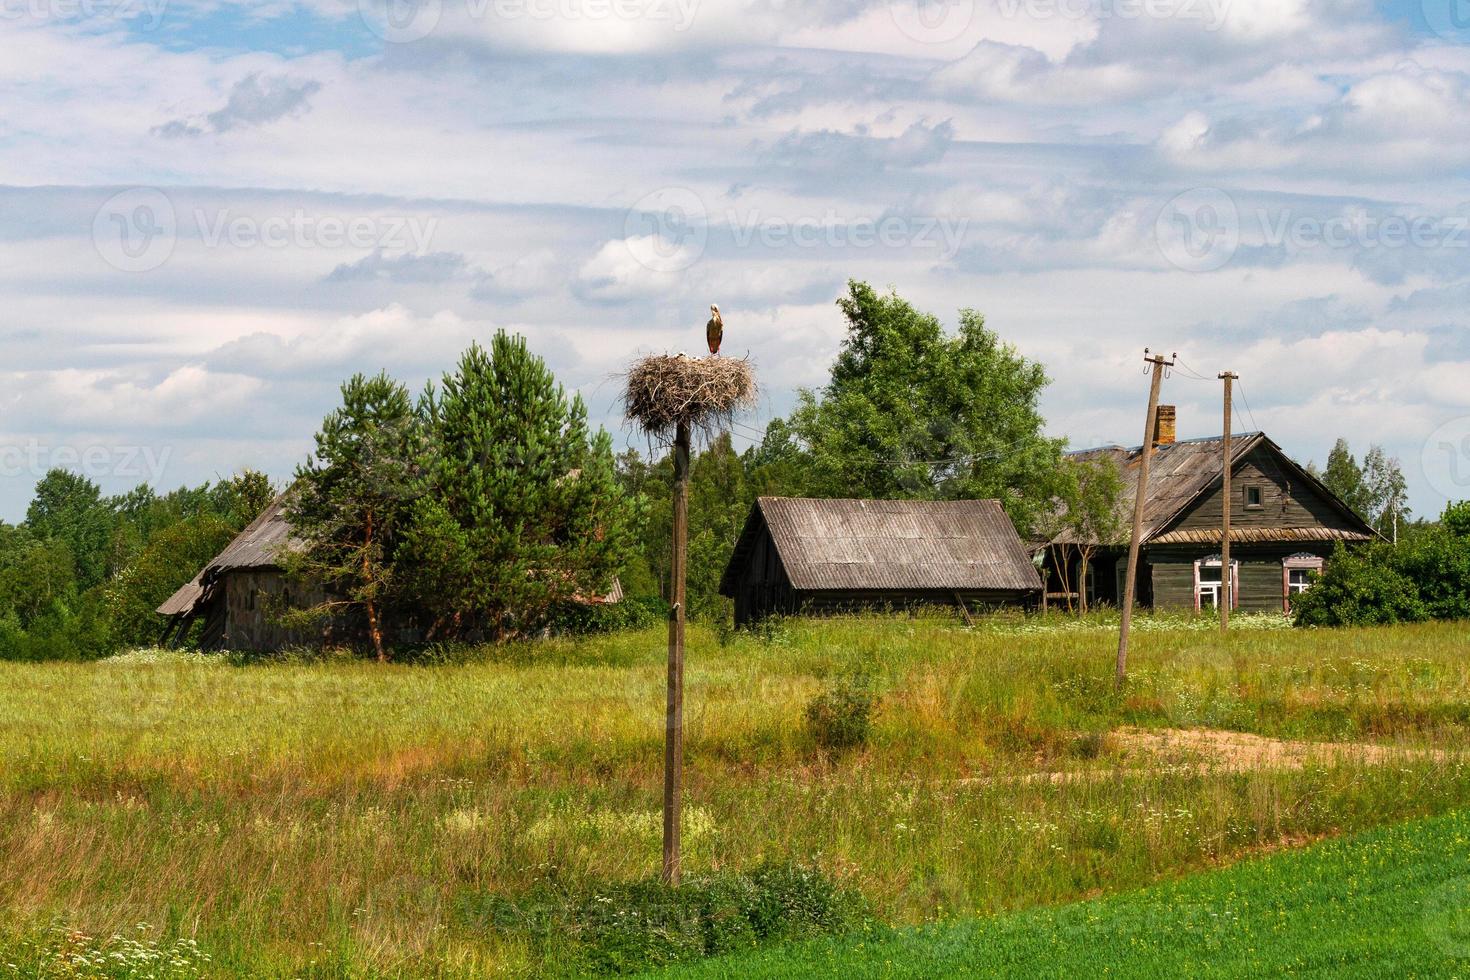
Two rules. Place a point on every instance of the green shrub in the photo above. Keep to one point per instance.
(1361, 588)
(636, 926)
(840, 717)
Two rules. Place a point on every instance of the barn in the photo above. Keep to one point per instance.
(1284, 525)
(240, 595)
(802, 555)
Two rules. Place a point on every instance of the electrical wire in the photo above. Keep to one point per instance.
(1255, 426)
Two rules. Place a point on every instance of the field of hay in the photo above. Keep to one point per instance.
(346, 819)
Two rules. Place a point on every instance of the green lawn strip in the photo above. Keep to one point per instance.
(1391, 902)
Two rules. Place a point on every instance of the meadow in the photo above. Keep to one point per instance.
(342, 818)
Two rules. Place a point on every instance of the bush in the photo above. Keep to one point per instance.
(841, 716)
(1360, 588)
(637, 926)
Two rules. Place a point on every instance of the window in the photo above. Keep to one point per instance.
(1209, 583)
(1296, 575)
(1253, 499)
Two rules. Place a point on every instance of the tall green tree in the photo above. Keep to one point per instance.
(525, 511)
(351, 502)
(1344, 476)
(69, 508)
(911, 412)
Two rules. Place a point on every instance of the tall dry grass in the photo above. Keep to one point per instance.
(345, 819)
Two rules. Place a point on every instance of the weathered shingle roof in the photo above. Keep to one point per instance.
(1182, 471)
(258, 546)
(861, 545)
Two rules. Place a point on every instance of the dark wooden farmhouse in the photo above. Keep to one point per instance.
(240, 595)
(1284, 525)
(798, 555)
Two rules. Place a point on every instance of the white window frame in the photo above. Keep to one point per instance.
(1296, 563)
(1214, 561)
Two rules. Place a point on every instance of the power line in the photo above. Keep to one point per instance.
(1254, 424)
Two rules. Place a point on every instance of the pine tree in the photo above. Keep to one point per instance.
(351, 501)
(525, 511)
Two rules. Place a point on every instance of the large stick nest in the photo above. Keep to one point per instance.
(704, 393)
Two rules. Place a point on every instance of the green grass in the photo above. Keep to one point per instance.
(329, 818)
(1393, 902)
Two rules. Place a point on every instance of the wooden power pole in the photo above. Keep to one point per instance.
(674, 715)
(1129, 582)
(1227, 580)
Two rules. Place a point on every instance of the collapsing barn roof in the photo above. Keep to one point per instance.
(258, 546)
(902, 545)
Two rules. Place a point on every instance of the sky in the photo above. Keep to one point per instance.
(212, 211)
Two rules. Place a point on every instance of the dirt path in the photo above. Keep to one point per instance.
(1239, 751)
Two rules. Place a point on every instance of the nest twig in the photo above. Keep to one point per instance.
(701, 392)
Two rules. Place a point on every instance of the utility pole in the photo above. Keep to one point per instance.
(674, 715)
(1227, 581)
(1129, 583)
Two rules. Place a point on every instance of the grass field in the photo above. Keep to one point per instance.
(1393, 902)
(331, 819)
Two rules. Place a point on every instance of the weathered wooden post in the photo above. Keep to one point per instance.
(675, 397)
(674, 714)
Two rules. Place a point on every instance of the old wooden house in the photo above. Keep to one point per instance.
(799, 555)
(241, 595)
(1284, 526)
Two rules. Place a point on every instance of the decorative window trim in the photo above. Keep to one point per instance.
(1301, 561)
(1214, 561)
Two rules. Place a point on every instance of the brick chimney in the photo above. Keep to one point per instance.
(1164, 430)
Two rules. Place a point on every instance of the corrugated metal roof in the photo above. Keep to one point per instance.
(948, 545)
(1255, 535)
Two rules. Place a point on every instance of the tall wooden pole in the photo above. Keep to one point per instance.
(1129, 581)
(674, 716)
(1227, 581)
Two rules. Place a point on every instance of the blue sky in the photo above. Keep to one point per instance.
(211, 212)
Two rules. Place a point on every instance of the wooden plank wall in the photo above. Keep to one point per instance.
(1285, 502)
